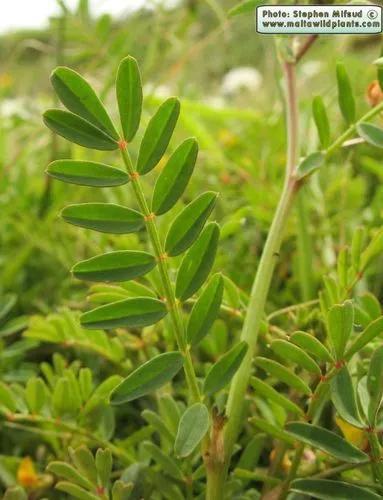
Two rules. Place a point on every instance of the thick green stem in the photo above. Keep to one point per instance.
(168, 291)
(260, 289)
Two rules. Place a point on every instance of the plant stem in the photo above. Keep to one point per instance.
(169, 295)
(258, 296)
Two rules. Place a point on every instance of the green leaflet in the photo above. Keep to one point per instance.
(312, 345)
(340, 326)
(310, 164)
(268, 392)
(205, 310)
(187, 226)
(79, 97)
(163, 459)
(104, 464)
(69, 473)
(345, 95)
(135, 312)
(370, 133)
(192, 428)
(375, 385)
(121, 490)
(221, 373)
(76, 129)
(283, 374)
(174, 177)
(104, 217)
(87, 173)
(326, 441)
(374, 329)
(7, 399)
(148, 377)
(122, 265)
(272, 430)
(75, 491)
(336, 490)
(129, 96)
(157, 135)
(83, 459)
(197, 263)
(288, 351)
(35, 394)
(343, 397)
(321, 121)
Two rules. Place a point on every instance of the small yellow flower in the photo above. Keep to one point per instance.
(26, 473)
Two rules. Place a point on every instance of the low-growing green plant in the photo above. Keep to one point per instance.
(155, 377)
(325, 365)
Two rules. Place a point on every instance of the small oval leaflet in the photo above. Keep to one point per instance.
(77, 130)
(268, 392)
(326, 441)
(157, 135)
(345, 94)
(192, 427)
(104, 217)
(189, 223)
(312, 345)
(288, 351)
(321, 121)
(336, 490)
(134, 312)
(87, 173)
(117, 266)
(343, 397)
(224, 369)
(283, 374)
(370, 133)
(79, 97)
(197, 263)
(310, 164)
(148, 377)
(174, 177)
(205, 310)
(129, 96)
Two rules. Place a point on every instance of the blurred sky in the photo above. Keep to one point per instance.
(34, 13)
